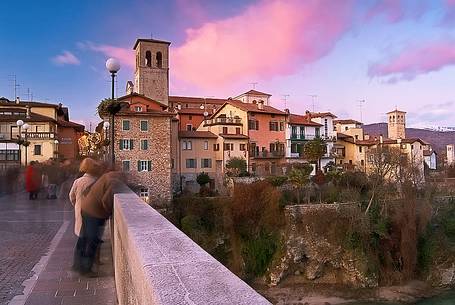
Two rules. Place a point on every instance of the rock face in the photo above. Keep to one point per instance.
(319, 245)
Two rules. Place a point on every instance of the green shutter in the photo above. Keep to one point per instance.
(138, 166)
(121, 144)
(131, 144)
(149, 165)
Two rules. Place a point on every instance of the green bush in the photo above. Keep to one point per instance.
(202, 178)
(277, 180)
(425, 251)
(258, 253)
(448, 224)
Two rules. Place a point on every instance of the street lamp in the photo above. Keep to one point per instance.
(106, 126)
(25, 126)
(19, 124)
(56, 149)
(113, 66)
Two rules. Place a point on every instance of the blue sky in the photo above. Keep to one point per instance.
(389, 53)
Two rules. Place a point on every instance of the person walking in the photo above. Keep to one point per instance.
(32, 180)
(96, 208)
(91, 170)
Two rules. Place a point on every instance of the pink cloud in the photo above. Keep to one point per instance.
(414, 61)
(449, 17)
(124, 55)
(268, 39)
(66, 58)
(392, 9)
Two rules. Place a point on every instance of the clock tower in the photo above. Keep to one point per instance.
(151, 77)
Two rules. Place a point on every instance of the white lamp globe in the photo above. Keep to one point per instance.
(106, 125)
(201, 107)
(206, 113)
(26, 126)
(19, 123)
(112, 65)
(56, 141)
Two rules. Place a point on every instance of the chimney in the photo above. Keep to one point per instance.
(28, 111)
(287, 111)
(179, 106)
(261, 105)
(18, 100)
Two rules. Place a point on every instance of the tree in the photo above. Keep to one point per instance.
(314, 150)
(108, 107)
(236, 166)
(299, 177)
(202, 179)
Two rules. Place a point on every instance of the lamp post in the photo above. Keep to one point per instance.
(26, 127)
(19, 124)
(113, 66)
(106, 126)
(56, 149)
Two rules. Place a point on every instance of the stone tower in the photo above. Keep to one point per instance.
(151, 77)
(396, 124)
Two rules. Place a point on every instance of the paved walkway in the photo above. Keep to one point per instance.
(36, 251)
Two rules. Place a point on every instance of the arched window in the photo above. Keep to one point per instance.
(159, 59)
(148, 59)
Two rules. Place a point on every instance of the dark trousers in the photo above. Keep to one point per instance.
(88, 242)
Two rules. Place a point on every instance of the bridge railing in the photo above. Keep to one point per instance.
(155, 263)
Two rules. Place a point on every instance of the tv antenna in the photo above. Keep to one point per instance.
(253, 84)
(361, 102)
(285, 99)
(14, 84)
(313, 99)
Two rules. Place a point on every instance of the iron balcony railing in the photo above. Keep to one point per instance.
(218, 120)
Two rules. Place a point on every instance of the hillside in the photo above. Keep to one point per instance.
(437, 139)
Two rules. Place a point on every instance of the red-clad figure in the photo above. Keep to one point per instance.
(32, 180)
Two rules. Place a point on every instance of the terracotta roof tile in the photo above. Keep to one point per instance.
(197, 134)
(322, 114)
(347, 121)
(233, 136)
(302, 120)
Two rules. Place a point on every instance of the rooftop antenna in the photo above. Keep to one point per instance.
(285, 98)
(28, 94)
(313, 99)
(15, 85)
(253, 85)
(361, 102)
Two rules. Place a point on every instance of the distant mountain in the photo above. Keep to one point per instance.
(437, 139)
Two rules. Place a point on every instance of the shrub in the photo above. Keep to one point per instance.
(203, 178)
(425, 251)
(258, 253)
(236, 166)
(277, 180)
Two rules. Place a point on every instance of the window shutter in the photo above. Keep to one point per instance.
(257, 125)
(149, 165)
(121, 144)
(131, 144)
(210, 163)
(138, 166)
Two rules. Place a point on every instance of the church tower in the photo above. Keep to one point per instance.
(151, 77)
(396, 124)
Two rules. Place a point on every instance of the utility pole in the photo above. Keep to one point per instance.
(361, 102)
(313, 99)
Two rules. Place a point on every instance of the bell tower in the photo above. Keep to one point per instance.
(396, 124)
(151, 77)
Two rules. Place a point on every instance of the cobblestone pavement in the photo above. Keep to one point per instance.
(26, 231)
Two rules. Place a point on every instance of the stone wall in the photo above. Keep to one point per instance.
(155, 263)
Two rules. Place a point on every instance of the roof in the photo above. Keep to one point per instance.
(375, 141)
(347, 121)
(196, 111)
(396, 110)
(197, 100)
(233, 136)
(34, 117)
(149, 40)
(149, 112)
(322, 114)
(133, 94)
(71, 125)
(197, 134)
(6, 102)
(255, 92)
(302, 120)
(428, 152)
(254, 108)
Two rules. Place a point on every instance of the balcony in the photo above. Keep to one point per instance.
(265, 154)
(223, 121)
(302, 137)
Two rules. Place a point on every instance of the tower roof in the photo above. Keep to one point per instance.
(396, 110)
(149, 40)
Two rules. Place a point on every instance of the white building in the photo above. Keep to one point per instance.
(430, 157)
(451, 154)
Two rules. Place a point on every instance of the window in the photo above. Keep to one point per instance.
(125, 125)
(159, 59)
(206, 163)
(138, 108)
(126, 165)
(206, 145)
(346, 128)
(225, 130)
(189, 127)
(412, 146)
(190, 117)
(360, 149)
(37, 150)
(144, 125)
(294, 132)
(318, 132)
(237, 130)
(187, 145)
(356, 137)
(350, 161)
(144, 193)
(273, 126)
(144, 144)
(295, 148)
(228, 146)
(362, 162)
(302, 132)
(144, 166)
(281, 126)
(253, 125)
(148, 59)
(216, 147)
(9, 155)
(326, 128)
(126, 144)
(190, 163)
(242, 147)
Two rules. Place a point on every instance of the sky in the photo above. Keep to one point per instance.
(320, 55)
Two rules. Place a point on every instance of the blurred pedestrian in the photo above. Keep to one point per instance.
(91, 170)
(33, 180)
(53, 174)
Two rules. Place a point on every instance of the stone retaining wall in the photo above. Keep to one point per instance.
(155, 263)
